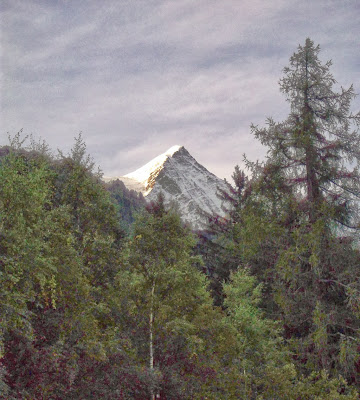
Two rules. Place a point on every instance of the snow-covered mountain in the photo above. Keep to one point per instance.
(182, 180)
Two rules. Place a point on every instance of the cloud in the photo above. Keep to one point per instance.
(139, 76)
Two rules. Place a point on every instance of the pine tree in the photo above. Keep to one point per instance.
(310, 186)
(316, 150)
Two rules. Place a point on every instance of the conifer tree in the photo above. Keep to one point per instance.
(292, 223)
(309, 183)
(316, 150)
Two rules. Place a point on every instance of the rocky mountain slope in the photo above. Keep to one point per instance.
(182, 180)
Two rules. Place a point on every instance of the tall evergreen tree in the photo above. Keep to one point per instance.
(311, 172)
(293, 222)
(316, 150)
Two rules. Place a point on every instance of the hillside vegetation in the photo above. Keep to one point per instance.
(104, 297)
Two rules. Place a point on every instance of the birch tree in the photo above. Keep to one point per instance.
(160, 252)
(188, 343)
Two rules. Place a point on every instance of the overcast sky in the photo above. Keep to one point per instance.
(139, 76)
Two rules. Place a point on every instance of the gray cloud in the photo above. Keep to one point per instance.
(138, 76)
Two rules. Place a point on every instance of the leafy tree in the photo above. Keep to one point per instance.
(24, 196)
(182, 338)
(56, 270)
(160, 253)
(96, 223)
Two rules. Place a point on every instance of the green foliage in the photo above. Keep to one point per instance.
(263, 361)
(59, 240)
(95, 221)
(242, 303)
(24, 198)
(320, 386)
(128, 202)
(283, 225)
(168, 291)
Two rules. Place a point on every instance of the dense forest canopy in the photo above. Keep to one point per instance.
(104, 296)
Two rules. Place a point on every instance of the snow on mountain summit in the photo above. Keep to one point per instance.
(149, 171)
(183, 181)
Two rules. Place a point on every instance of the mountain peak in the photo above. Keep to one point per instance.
(147, 173)
(182, 180)
(170, 152)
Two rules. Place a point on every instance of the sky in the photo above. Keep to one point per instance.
(137, 77)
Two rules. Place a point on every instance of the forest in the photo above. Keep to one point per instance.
(105, 296)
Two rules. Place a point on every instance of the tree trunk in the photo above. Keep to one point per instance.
(312, 184)
(151, 345)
